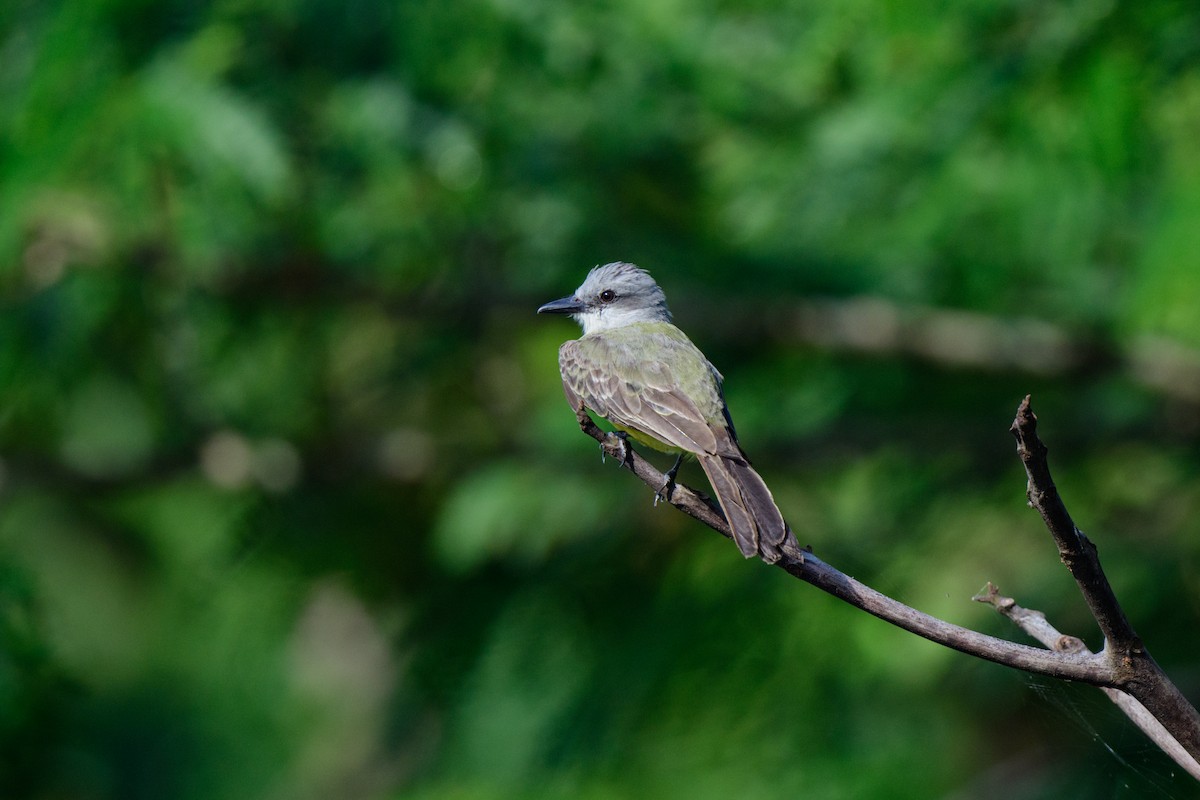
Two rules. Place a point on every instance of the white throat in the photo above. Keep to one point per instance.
(606, 318)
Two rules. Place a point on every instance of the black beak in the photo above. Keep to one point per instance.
(567, 305)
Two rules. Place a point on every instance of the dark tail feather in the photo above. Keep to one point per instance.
(758, 527)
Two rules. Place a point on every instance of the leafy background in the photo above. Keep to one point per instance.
(292, 506)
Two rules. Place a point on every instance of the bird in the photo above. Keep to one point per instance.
(634, 368)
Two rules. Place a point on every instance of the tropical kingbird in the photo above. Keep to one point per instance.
(634, 368)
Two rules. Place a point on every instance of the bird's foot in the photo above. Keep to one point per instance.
(664, 492)
(623, 438)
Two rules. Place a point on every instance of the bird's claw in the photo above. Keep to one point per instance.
(664, 492)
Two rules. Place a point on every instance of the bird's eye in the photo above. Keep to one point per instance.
(607, 295)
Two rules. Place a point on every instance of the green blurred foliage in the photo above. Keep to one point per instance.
(291, 505)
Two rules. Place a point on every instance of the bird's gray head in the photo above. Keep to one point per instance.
(611, 296)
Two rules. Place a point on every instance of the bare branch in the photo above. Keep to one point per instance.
(1074, 548)
(1131, 666)
(1038, 627)
(1124, 664)
(807, 567)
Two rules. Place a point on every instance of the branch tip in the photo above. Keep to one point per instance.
(987, 594)
(990, 594)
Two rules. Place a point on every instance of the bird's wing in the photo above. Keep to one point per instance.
(655, 384)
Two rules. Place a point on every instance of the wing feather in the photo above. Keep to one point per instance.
(652, 382)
